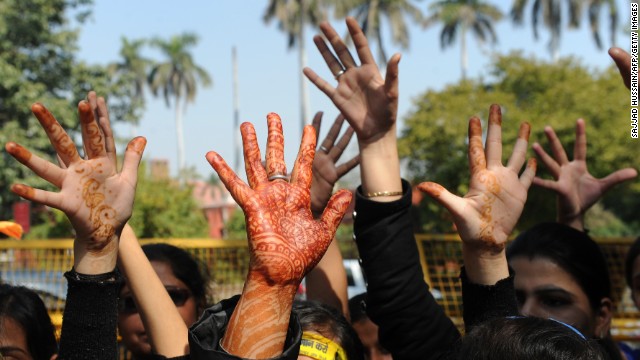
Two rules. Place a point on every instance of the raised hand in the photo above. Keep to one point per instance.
(369, 102)
(488, 213)
(95, 197)
(325, 171)
(623, 62)
(285, 241)
(577, 189)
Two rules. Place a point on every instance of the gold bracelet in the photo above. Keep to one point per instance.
(383, 193)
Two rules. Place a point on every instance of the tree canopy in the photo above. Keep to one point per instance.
(434, 140)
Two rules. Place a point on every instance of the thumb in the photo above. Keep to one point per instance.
(335, 210)
(438, 193)
(617, 177)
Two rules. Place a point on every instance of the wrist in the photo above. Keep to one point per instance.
(91, 261)
(380, 167)
(485, 268)
(576, 222)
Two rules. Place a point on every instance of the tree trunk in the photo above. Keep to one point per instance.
(304, 91)
(237, 141)
(180, 136)
(463, 51)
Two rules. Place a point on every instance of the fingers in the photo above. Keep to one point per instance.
(452, 203)
(63, 144)
(520, 148)
(347, 166)
(237, 188)
(391, 78)
(336, 207)
(320, 83)
(102, 114)
(252, 160)
(548, 161)
(529, 173)
(332, 62)
(623, 62)
(91, 135)
(316, 122)
(477, 160)
(493, 148)
(580, 147)
(41, 167)
(275, 146)
(55, 200)
(333, 133)
(338, 45)
(360, 41)
(337, 150)
(558, 151)
(617, 177)
(544, 183)
(302, 174)
(132, 157)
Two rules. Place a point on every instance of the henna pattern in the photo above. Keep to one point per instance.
(275, 146)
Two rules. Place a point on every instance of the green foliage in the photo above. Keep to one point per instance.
(434, 141)
(38, 64)
(235, 227)
(51, 224)
(164, 208)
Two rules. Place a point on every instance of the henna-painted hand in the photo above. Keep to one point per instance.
(325, 172)
(284, 239)
(577, 189)
(369, 102)
(623, 62)
(487, 214)
(95, 197)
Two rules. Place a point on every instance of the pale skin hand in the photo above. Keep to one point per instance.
(326, 172)
(577, 189)
(623, 62)
(95, 197)
(285, 241)
(488, 213)
(368, 102)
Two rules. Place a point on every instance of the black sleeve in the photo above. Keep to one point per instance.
(411, 324)
(205, 334)
(485, 302)
(90, 317)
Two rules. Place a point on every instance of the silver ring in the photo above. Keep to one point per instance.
(340, 73)
(278, 177)
(324, 149)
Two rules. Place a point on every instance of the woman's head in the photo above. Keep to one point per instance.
(526, 338)
(324, 320)
(366, 329)
(25, 327)
(186, 283)
(562, 274)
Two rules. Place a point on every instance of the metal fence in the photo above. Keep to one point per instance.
(39, 264)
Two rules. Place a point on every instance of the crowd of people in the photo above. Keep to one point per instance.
(546, 296)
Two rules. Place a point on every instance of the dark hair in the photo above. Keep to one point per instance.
(26, 308)
(632, 254)
(329, 322)
(525, 338)
(572, 250)
(358, 307)
(184, 267)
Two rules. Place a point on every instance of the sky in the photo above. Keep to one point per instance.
(269, 75)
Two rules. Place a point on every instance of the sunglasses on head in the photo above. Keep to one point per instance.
(179, 296)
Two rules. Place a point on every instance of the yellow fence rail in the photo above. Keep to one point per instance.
(40, 265)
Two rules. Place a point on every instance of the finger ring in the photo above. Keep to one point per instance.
(324, 149)
(340, 73)
(278, 177)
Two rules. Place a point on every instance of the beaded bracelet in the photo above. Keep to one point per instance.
(383, 193)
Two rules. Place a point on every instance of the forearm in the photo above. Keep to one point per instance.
(484, 267)
(327, 282)
(380, 166)
(258, 326)
(167, 331)
(92, 262)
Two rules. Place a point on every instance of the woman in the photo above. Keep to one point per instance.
(26, 330)
(184, 280)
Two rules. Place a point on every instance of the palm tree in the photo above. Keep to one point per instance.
(462, 16)
(178, 79)
(132, 70)
(370, 13)
(550, 13)
(292, 16)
